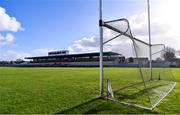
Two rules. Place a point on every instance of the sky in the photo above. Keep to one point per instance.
(34, 27)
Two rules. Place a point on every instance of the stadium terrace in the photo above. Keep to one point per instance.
(63, 58)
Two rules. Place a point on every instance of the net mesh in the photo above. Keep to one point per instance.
(133, 85)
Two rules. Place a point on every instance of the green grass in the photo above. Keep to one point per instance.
(69, 90)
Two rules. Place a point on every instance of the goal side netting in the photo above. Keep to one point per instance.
(133, 85)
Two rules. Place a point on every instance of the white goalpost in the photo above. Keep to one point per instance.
(149, 28)
(151, 80)
(101, 48)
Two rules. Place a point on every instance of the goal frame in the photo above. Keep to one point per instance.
(102, 43)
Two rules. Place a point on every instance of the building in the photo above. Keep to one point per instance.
(63, 58)
(142, 61)
(56, 53)
(175, 62)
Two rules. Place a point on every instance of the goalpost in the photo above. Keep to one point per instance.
(101, 48)
(149, 28)
(152, 81)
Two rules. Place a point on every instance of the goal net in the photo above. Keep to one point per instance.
(133, 85)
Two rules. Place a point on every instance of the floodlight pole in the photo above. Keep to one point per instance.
(150, 50)
(101, 48)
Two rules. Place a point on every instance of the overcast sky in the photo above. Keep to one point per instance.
(34, 27)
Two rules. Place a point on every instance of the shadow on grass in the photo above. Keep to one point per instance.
(102, 106)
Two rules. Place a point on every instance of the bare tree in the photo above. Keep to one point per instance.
(169, 53)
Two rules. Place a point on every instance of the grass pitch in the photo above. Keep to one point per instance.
(68, 90)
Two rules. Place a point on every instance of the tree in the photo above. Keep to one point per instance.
(131, 60)
(169, 53)
(178, 53)
(158, 59)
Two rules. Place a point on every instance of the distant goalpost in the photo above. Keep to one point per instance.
(152, 81)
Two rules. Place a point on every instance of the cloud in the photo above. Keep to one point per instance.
(42, 51)
(8, 38)
(120, 45)
(161, 32)
(139, 25)
(8, 23)
(86, 44)
(13, 55)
